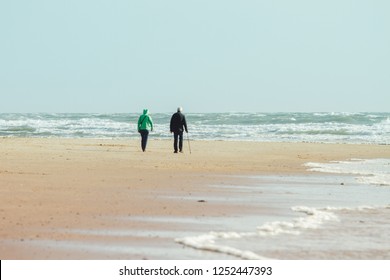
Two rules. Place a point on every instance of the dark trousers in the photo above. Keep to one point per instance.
(178, 136)
(144, 138)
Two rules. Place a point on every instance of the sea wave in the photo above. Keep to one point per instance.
(281, 127)
(313, 219)
(370, 171)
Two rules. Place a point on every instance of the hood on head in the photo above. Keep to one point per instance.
(146, 111)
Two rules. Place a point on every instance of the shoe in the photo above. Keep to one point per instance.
(175, 152)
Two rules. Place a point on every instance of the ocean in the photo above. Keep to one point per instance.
(372, 128)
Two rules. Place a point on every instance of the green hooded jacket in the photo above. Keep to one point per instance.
(145, 121)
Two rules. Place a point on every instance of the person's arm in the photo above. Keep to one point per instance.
(139, 124)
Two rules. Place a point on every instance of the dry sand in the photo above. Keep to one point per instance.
(49, 187)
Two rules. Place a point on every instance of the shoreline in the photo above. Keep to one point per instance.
(52, 187)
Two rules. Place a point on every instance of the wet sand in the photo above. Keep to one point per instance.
(106, 199)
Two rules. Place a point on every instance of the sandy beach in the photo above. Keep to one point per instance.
(53, 189)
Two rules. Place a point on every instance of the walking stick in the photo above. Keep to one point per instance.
(189, 146)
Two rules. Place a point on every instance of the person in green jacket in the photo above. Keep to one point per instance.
(145, 124)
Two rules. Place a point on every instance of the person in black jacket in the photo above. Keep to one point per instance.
(178, 125)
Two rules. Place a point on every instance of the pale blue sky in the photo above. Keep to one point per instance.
(205, 55)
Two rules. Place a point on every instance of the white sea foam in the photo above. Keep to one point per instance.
(369, 171)
(358, 208)
(208, 242)
(313, 219)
